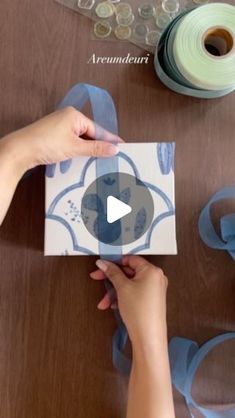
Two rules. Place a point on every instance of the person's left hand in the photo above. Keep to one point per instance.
(58, 137)
(141, 296)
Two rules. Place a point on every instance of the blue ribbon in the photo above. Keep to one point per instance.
(185, 359)
(227, 225)
(105, 117)
(103, 110)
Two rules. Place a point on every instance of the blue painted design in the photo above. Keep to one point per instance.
(109, 181)
(81, 183)
(140, 223)
(65, 166)
(50, 170)
(125, 195)
(75, 245)
(104, 231)
(73, 212)
(166, 156)
(72, 187)
(50, 213)
(92, 202)
(149, 185)
(156, 221)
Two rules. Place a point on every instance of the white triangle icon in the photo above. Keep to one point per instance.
(116, 209)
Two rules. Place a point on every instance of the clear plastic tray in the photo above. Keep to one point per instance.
(141, 22)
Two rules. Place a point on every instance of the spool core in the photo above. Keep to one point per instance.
(218, 41)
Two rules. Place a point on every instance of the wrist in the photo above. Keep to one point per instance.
(14, 156)
(150, 345)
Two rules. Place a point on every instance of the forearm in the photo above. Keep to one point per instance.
(11, 170)
(150, 391)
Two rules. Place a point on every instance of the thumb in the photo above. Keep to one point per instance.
(112, 272)
(95, 148)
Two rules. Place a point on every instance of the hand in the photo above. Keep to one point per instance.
(141, 295)
(58, 137)
(55, 138)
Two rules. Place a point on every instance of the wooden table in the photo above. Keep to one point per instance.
(55, 348)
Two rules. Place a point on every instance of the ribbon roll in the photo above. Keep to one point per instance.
(185, 359)
(196, 53)
(227, 225)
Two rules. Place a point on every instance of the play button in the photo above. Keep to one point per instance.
(116, 209)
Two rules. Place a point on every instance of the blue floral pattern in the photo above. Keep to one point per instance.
(94, 203)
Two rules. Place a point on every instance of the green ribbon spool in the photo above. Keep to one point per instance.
(196, 53)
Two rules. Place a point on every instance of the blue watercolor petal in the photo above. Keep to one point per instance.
(140, 223)
(50, 170)
(92, 202)
(65, 166)
(165, 155)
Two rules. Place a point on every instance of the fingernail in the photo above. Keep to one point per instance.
(92, 275)
(102, 265)
(111, 150)
(99, 306)
(120, 139)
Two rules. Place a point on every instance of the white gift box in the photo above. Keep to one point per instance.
(65, 231)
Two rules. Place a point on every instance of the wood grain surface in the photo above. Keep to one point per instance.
(55, 347)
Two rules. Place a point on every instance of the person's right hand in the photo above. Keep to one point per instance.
(141, 295)
(58, 137)
(54, 138)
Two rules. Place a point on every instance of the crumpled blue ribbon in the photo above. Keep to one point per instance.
(185, 359)
(105, 117)
(227, 224)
